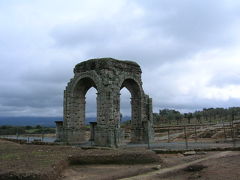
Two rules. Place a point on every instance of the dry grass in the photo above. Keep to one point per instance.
(45, 162)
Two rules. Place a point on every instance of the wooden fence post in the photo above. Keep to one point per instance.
(185, 134)
(195, 130)
(168, 135)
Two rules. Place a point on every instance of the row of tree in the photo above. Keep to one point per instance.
(14, 130)
(207, 115)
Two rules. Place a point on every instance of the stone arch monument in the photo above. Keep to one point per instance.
(108, 76)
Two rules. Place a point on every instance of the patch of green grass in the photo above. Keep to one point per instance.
(45, 162)
(38, 153)
(31, 131)
(8, 156)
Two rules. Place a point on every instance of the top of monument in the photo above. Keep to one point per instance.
(106, 63)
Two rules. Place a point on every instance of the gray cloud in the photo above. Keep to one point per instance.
(225, 79)
(167, 30)
(188, 51)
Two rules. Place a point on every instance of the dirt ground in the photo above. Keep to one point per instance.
(21, 161)
(29, 161)
(222, 166)
(202, 166)
(105, 172)
(212, 166)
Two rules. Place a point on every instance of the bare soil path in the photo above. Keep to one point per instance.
(210, 166)
(220, 166)
(104, 172)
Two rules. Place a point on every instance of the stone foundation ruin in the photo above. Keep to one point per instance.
(108, 76)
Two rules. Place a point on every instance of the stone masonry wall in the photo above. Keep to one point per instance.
(108, 76)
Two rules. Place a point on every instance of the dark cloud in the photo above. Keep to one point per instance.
(185, 48)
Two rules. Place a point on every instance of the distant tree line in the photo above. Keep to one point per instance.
(207, 115)
(13, 130)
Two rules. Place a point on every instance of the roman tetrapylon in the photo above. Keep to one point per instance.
(108, 76)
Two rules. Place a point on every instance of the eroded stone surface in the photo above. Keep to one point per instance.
(108, 76)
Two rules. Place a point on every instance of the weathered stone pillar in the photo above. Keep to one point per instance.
(148, 123)
(74, 131)
(92, 130)
(59, 131)
(105, 129)
(136, 130)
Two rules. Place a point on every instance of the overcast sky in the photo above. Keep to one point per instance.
(189, 51)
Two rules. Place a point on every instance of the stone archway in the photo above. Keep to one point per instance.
(74, 108)
(108, 76)
(136, 98)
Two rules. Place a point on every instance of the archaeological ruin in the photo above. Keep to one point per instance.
(108, 76)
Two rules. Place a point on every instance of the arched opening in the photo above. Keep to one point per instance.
(90, 113)
(91, 106)
(125, 112)
(84, 111)
(83, 85)
(130, 85)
